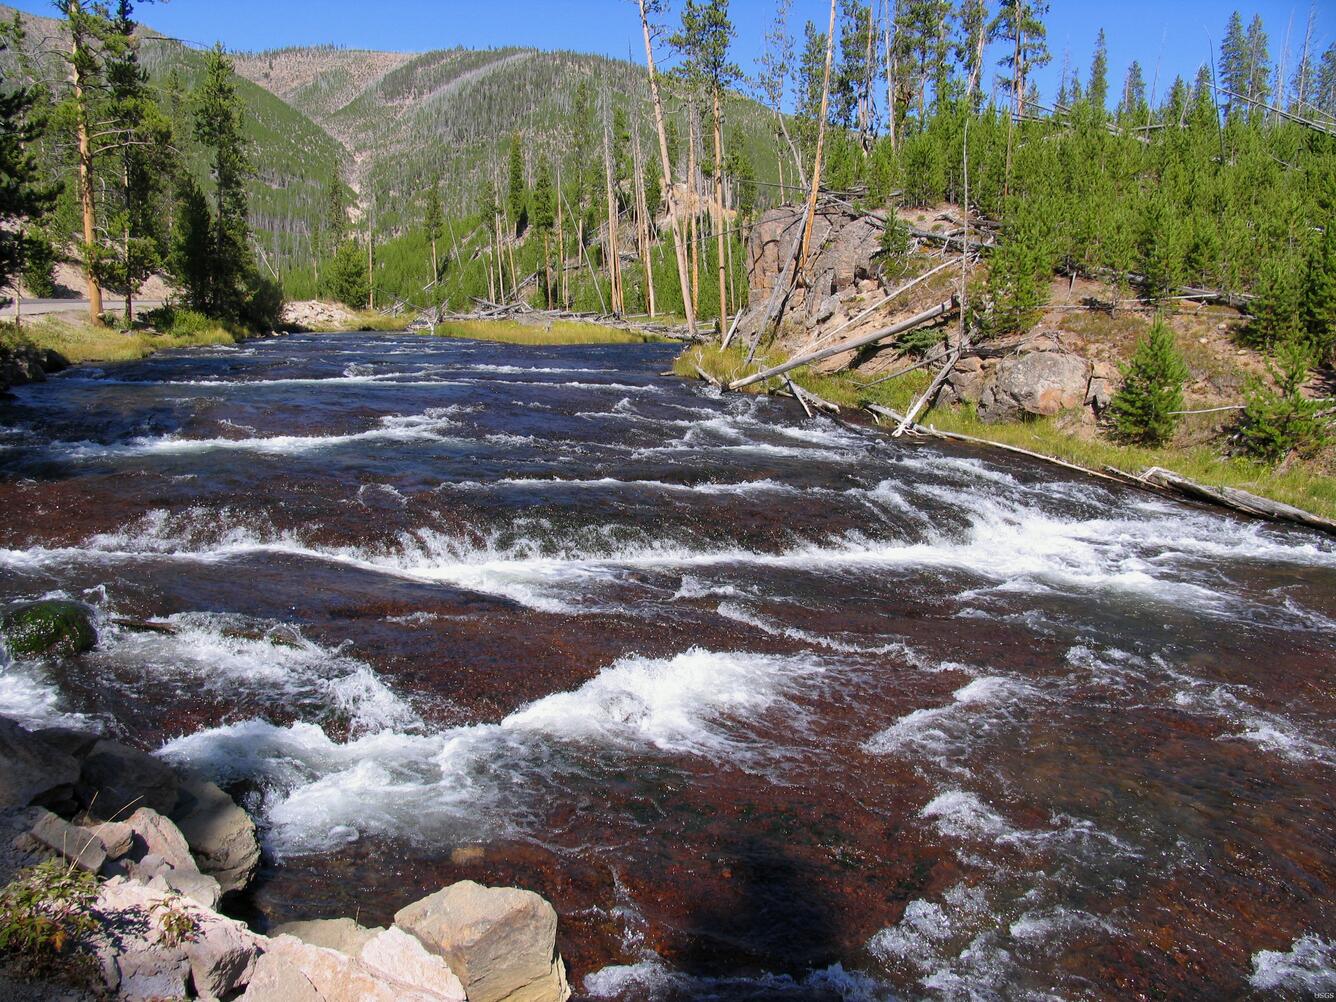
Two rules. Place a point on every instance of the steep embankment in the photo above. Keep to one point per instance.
(1045, 390)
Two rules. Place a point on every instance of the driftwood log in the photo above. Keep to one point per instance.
(862, 341)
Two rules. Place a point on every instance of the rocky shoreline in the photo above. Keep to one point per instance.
(155, 850)
(27, 363)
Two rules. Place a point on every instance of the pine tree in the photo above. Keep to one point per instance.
(1325, 98)
(1098, 91)
(1280, 421)
(190, 258)
(433, 225)
(1142, 409)
(1277, 310)
(971, 40)
(1161, 245)
(1259, 62)
(1235, 68)
(1020, 25)
(811, 68)
(139, 135)
(24, 199)
(1319, 294)
(1019, 272)
(518, 194)
(345, 278)
(1133, 104)
(235, 285)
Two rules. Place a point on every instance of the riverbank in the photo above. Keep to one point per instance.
(77, 340)
(1306, 485)
(548, 332)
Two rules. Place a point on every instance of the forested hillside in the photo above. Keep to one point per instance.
(293, 157)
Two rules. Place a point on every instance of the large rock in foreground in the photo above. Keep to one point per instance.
(500, 941)
(52, 626)
(221, 835)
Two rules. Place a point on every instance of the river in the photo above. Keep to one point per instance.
(769, 707)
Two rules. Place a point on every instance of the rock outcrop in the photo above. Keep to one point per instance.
(28, 364)
(34, 770)
(501, 941)
(51, 626)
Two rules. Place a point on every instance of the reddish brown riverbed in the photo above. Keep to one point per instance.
(767, 707)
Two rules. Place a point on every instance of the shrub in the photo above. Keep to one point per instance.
(344, 276)
(46, 910)
(1280, 421)
(1143, 408)
(178, 321)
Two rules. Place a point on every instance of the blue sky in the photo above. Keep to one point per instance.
(1169, 34)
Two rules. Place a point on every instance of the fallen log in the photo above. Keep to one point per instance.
(1232, 497)
(146, 626)
(810, 399)
(918, 320)
(708, 378)
(929, 393)
(889, 297)
(797, 396)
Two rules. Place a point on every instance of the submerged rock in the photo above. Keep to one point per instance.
(500, 941)
(51, 626)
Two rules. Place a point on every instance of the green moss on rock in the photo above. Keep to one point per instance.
(51, 626)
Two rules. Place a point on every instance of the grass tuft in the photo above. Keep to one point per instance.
(556, 332)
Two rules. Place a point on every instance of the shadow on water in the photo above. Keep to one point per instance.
(765, 927)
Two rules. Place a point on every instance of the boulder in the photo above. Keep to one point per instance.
(220, 834)
(117, 836)
(1036, 384)
(80, 846)
(966, 382)
(396, 956)
(500, 941)
(293, 971)
(117, 778)
(1104, 382)
(51, 626)
(33, 771)
(341, 934)
(139, 960)
(161, 858)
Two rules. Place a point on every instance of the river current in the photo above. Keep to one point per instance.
(768, 707)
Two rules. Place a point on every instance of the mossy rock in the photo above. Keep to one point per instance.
(51, 626)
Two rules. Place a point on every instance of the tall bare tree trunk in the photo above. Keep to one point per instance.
(719, 211)
(614, 258)
(868, 62)
(820, 143)
(644, 224)
(86, 202)
(694, 193)
(890, 76)
(561, 245)
(688, 303)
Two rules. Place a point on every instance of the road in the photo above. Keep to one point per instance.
(44, 307)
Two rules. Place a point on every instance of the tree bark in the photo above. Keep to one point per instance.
(820, 142)
(688, 304)
(86, 202)
(614, 259)
(719, 211)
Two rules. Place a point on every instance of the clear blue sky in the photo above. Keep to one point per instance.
(1169, 33)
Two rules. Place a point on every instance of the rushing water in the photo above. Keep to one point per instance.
(768, 707)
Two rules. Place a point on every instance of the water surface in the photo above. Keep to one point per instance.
(768, 707)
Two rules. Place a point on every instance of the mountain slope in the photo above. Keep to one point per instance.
(293, 157)
(407, 119)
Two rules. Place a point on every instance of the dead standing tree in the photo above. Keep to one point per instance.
(679, 248)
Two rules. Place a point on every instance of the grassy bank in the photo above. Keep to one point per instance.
(1303, 485)
(77, 340)
(556, 332)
